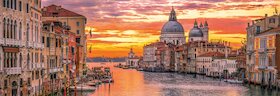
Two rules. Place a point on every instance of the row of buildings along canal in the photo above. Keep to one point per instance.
(257, 61)
(41, 49)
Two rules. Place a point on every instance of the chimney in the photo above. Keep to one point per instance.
(265, 15)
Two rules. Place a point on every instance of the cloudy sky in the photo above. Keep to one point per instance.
(121, 24)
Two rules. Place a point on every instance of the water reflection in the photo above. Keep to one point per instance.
(134, 83)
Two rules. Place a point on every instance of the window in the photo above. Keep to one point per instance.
(5, 84)
(43, 39)
(78, 23)
(78, 40)
(20, 31)
(7, 4)
(15, 4)
(48, 41)
(258, 29)
(56, 42)
(11, 4)
(27, 8)
(20, 6)
(272, 20)
(78, 31)
(21, 82)
(4, 3)
(4, 28)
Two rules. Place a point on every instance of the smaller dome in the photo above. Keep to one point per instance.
(196, 32)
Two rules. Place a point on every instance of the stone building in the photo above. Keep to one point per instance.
(52, 36)
(198, 48)
(76, 23)
(262, 50)
(20, 67)
(132, 60)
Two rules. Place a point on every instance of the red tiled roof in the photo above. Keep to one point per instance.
(212, 54)
(58, 11)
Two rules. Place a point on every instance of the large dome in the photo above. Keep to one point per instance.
(172, 26)
(196, 32)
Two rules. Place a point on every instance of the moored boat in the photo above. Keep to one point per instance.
(83, 88)
(232, 81)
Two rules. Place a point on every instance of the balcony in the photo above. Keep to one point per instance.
(13, 71)
(30, 44)
(54, 70)
(262, 50)
(21, 43)
(1, 41)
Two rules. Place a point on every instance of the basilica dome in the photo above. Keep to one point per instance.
(172, 26)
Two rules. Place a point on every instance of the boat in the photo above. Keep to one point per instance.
(125, 67)
(140, 69)
(92, 84)
(232, 81)
(83, 88)
(109, 80)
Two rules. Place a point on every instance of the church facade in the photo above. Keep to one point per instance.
(174, 53)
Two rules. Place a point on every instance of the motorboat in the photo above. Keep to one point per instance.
(83, 88)
(232, 81)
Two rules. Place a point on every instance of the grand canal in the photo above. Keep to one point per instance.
(129, 82)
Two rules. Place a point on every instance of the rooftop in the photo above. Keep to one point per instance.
(58, 11)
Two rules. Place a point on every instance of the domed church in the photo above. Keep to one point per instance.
(199, 33)
(172, 31)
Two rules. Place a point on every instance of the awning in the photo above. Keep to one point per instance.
(11, 49)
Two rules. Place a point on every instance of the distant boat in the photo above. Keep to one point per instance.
(83, 88)
(140, 69)
(232, 81)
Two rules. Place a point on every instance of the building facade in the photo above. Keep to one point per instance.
(262, 51)
(21, 68)
(76, 23)
(132, 60)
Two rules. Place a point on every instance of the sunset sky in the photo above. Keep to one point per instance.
(119, 25)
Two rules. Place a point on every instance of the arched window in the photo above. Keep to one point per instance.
(11, 29)
(4, 3)
(27, 32)
(28, 60)
(4, 28)
(20, 31)
(7, 4)
(15, 30)
(16, 59)
(8, 28)
(20, 60)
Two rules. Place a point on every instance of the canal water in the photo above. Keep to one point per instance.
(130, 82)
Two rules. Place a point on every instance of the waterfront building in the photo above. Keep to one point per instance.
(76, 23)
(20, 48)
(197, 48)
(181, 58)
(52, 36)
(149, 55)
(132, 60)
(224, 67)
(172, 53)
(262, 50)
